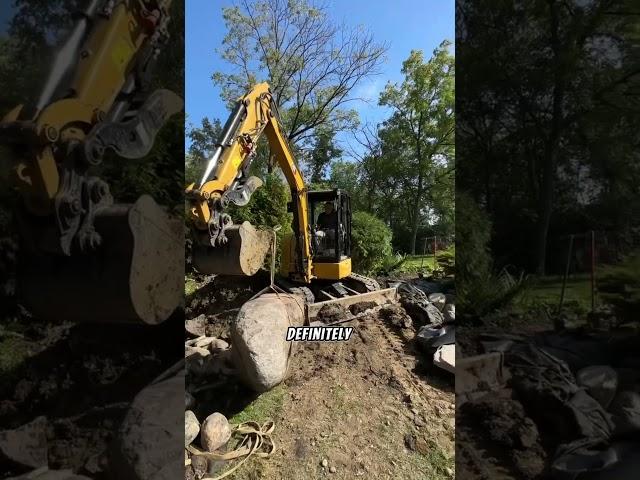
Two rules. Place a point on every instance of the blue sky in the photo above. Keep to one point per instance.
(403, 24)
(6, 12)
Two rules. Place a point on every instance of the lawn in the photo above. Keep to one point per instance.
(418, 263)
(548, 289)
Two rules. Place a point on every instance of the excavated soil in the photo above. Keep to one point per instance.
(372, 407)
(81, 380)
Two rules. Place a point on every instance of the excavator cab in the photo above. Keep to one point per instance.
(330, 219)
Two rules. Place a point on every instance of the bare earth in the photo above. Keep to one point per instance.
(361, 406)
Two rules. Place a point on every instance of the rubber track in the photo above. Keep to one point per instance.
(369, 283)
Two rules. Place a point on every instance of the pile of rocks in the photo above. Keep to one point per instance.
(431, 313)
(580, 390)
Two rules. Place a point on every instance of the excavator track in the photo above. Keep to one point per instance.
(365, 284)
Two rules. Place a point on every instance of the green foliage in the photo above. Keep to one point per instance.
(267, 208)
(204, 138)
(473, 233)
(522, 156)
(619, 285)
(418, 140)
(479, 288)
(323, 151)
(371, 242)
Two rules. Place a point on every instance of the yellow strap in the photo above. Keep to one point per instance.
(254, 435)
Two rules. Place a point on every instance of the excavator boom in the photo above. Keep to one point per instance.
(84, 257)
(226, 180)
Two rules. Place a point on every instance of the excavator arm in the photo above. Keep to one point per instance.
(82, 252)
(226, 180)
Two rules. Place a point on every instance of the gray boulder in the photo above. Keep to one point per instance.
(26, 445)
(600, 381)
(449, 313)
(191, 427)
(259, 338)
(438, 299)
(147, 444)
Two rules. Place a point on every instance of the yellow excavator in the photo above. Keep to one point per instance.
(316, 256)
(83, 256)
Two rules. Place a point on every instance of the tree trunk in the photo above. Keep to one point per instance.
(550, 160)
(414, 232)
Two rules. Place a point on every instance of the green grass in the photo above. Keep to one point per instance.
(547, 290)
(418, 263)
(190, 286)
(434, 464)
(266, 406)
(13, 351)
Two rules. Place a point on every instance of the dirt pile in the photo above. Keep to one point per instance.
(369, 407)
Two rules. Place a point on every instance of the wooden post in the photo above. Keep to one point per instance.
(435, 247)
(424, 252)
(566, 273)
(593, 271)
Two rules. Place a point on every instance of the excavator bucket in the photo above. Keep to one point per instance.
(243, 254)
(135, 275)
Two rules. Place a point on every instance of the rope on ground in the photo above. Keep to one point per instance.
(256, 441)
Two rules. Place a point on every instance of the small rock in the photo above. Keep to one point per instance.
(215, 433)
(600, 381)
(445, 358)
(218, 344)
(410, 441)
(419, 421)
(200, 465)
(191, 427)
(26, 445)
(396, 315)
(408, 334)
(188, 351)
(422, 446)
(324, 463)
(358, 308)
(332, 469)
(332, 312)
(449, 313)
(196, 326)
(438, 299)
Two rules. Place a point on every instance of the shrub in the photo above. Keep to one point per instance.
(370, 242)
(619, 285)
(480, 287)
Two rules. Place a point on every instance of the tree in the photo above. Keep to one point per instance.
(323, 151)
(311, 63)
(423, 126)
(549, 136)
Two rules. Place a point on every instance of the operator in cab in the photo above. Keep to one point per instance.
(328, 220)
(326, 225)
